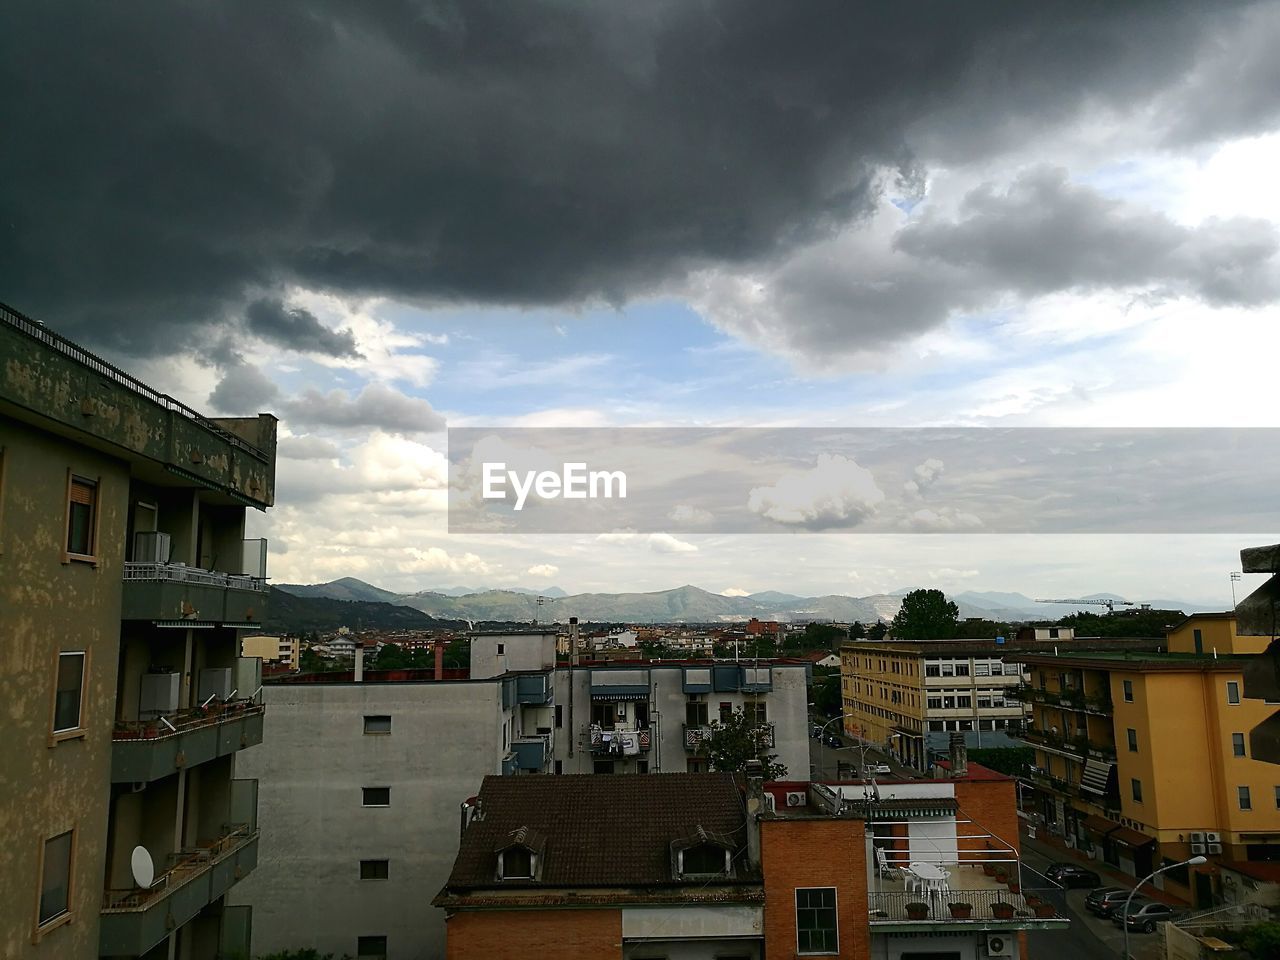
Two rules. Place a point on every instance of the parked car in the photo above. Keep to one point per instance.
(1143, 914)
(879, 769)
(1073, 875)
(834, 741)
(1104, 899)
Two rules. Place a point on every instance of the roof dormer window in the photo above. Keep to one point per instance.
(704, 854)
(516, 863)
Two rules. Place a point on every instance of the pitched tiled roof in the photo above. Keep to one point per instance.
(598, 829)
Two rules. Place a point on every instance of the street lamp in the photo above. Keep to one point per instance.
(1124, 916)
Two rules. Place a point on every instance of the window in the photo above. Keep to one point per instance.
(695, 765)
(704, 859)
(726, 711)
(1233, 691)
(603, 713)
(559, 715)
(377, 796)
(82, 505)
(559, 767)
(55, 878)
(502, 649)
(932, 670)
(1237, 744)
(602, 766)
(1128, 691)
(695, 714)
(1132, 736)
(1277, 798)
(377, 723)
(371, 948)
(69, 697)
(516, 863)
(1199, 638)
(375, 869)
(1242, 793)
(1136, 785)
(816, 930)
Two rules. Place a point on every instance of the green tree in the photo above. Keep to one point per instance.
(926, 615)
(311, 662)
(390, 657)
(734, 741)
(857, 631)
(877, 631)
(1263, 940)
(826, 691)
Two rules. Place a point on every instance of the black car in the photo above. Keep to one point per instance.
(1143, 914)
(1105, 899)
(1073, 875)
(833, 741)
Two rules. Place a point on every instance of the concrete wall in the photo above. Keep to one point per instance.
(520, 651)
(46, 606)
(314, 759)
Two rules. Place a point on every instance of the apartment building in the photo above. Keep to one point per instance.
(127, 578)
(706, 865)
(1143, 757)
(909, 696)
(281, 651)
(390, 756)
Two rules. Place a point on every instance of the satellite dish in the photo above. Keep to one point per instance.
(144, 871)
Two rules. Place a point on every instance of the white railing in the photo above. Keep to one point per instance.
(181, 573)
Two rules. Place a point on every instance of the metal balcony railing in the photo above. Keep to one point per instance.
(984, 905)
(180, 723)
(180, 573)
(600, 745)
(184, 867)
(695, 735)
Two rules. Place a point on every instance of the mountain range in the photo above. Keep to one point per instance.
(687, 604)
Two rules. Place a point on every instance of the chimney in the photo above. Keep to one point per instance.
(439, 659)
(360, 661)
(573, 640)
(959, 756)
(756, 807)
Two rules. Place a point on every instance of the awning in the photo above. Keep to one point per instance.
(620, 693)
(1130, 838)
(1099, 825)
(1095, 776)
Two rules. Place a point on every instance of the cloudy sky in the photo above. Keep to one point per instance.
(377, 220)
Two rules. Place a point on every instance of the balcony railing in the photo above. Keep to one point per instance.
(181, 573)
(613, 746)
(1014, 909)
(1071, 699)
(695, 735)
(134, 921)
(146, 750)
(1077, 746)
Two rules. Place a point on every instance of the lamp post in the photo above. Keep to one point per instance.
(1124, 916)
(822, 732)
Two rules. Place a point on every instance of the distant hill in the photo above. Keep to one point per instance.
(687, 604)
(289, 613)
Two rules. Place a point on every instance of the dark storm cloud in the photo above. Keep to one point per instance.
(243, 390)
(297, 329)
(376, 406)
(169, 163)
(1045, 234)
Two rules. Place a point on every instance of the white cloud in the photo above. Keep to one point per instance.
(924, 476)
(543, 570)
(657, 542)
(836, 492)
(950, 573)
(735, 592)
(684, 514)
(941, 520)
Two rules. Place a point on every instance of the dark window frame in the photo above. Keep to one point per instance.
(377, 717)
(376, 869)
(806, 933)
(367, 792)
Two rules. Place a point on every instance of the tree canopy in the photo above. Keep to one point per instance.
(738, 739)
(926, 615)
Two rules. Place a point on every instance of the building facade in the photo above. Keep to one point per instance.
(430, 740)
(909, 697)
(1143, 757)
(127, 577)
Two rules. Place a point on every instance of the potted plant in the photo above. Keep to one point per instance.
(1001, 910)
(1043, 908)
(917, 911)
(1015, 886)
(960, 911)
(989, 869)
(1001, 875)
(1032, 900)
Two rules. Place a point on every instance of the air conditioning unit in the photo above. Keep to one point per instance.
(1197, 838)
(999, 945)
(1213, 838)
(158, 695)
(797, 798)
(622, 711)
(215, 682)
(151, 546)
(255, 559)
(1214, 847)
(1197, 849)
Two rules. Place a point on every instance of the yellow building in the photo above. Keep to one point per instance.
(910, 696)
(271, 649)
(1142, 757)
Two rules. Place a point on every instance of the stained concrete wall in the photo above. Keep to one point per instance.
(46, 606)
(314, 760)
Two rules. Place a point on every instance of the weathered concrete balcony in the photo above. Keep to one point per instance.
(134, 921)
(146, 750)
(173, 592)
(532, 753)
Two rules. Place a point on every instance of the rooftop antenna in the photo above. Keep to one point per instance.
(1235, 578)
(537, 613)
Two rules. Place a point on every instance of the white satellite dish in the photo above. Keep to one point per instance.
(144, 871)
